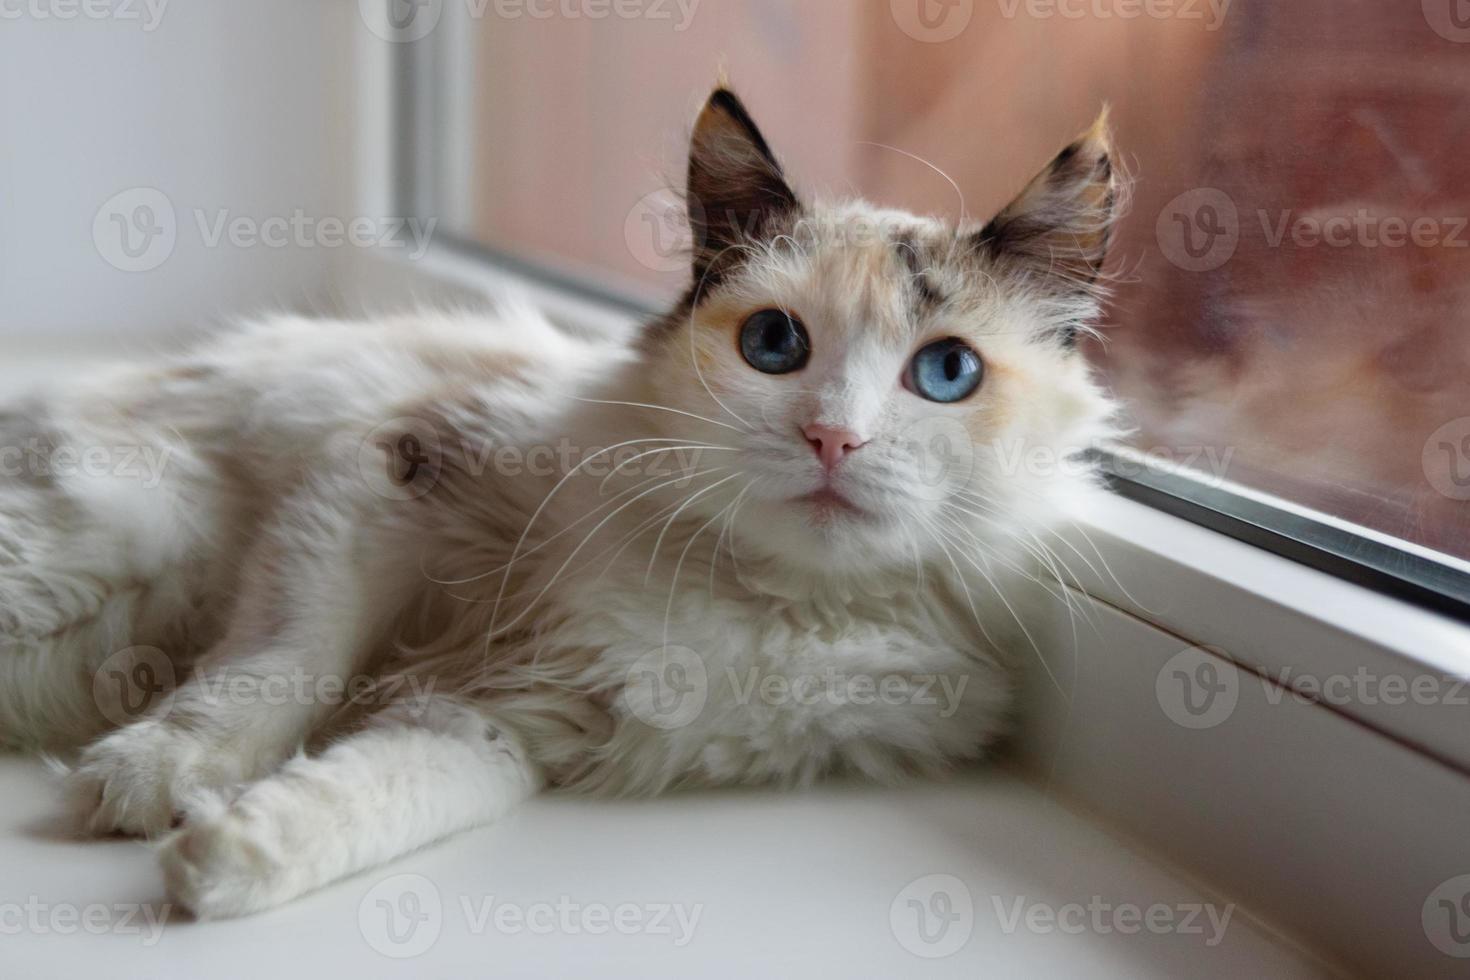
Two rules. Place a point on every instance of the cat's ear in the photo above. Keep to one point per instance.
(1060, 226)
(737, 190)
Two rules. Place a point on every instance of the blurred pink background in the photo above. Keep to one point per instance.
(1335, 375)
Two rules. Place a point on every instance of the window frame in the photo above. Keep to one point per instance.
(1433, 581)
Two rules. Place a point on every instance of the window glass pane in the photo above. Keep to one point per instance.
(1295, 269)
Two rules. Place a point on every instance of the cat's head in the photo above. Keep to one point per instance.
(883, 384)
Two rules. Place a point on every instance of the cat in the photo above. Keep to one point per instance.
(388, 579)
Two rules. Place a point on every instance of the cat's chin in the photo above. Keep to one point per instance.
(824, 530)
(828, 508)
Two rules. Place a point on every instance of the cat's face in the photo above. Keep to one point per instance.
(882, 386)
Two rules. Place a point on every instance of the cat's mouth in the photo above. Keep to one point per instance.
(827, 502)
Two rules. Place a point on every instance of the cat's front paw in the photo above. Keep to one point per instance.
(139, 779)
(229, 865)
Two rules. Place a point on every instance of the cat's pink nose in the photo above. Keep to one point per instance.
(832, 444)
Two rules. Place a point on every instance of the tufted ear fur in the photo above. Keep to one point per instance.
(1060, 226)
(737, 190)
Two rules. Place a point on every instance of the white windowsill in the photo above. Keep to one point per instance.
(785, 884)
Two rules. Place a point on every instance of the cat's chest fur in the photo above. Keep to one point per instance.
(751, 682)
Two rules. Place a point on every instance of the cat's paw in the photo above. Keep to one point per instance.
(228, 865)
(139, 780)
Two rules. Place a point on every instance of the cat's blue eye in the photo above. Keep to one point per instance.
(946, 371)
(774, 342)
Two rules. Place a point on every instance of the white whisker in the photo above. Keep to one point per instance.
(657, 544)
(659, 408)
(575, 551)
(995, 587)
(601, 487)
(545, 501)
(679, 565)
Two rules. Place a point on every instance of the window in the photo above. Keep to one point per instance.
(1291, 318)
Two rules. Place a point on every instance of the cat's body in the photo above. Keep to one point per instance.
(589, 563)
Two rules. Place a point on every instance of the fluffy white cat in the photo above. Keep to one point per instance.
(388, 579)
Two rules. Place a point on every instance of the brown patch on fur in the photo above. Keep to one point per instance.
(737, 191)
(1061, 224)
(722, 318)
(917, 258)
(191, 372)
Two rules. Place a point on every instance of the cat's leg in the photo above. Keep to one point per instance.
(60, 561)
(104, 547)
(420, 770)
(59, 692)
(320, 586)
